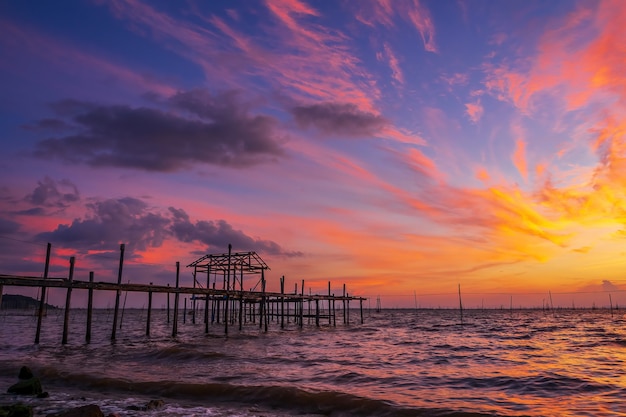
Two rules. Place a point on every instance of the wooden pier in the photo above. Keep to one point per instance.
(230, 305)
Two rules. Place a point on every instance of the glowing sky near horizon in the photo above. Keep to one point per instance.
(399, 146)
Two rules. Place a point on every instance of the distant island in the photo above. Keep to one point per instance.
(21, 302)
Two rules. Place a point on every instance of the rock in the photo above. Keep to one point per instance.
(26, 373)
(30, 386)
(154, 404)
(151, 405)
(90, 410)
(16, 410)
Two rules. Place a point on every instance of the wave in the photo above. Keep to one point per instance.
(285, 398)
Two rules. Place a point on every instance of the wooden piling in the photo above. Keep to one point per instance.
(329, 307)
(460, 304)
(282, 302)
(317, 312)
(89, 308)
(302, 305)
(345, 320)
(149, 311)
(230, 248)
(206, 301)
(68, 297)
(361, 307)
(0, 296)
(176, 296)
(42, 302)
(264, 300)
(118, 292)
(193, 299)
(185, 310)
(241, 300)
(168, 305)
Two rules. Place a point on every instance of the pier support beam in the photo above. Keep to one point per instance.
(176, 295)
(89, 308)
(42, 302)
(118, 292)
(149, 312)
(68, 297)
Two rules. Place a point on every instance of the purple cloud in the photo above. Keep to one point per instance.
(222, 132)
(343, 119)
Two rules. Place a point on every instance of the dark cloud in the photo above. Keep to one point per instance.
(218, 234)
(51, 193)
(35, 211)
(111, 222)
(338, 118)
(221, 131)
(8, 227)
(609, 286)
(131, 221)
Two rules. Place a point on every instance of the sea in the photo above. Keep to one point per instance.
(396, 363)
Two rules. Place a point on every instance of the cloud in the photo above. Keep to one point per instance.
(519, 158)
(154, 140)
(132, 221)
(215, 234)
(394, 64)
(609, 286)
(474, 111)
(111, 222)
(338, 118)
(50, 193)
(8, 227)
(383, 11)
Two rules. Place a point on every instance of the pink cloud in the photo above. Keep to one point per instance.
(474, 111)
(394, 64)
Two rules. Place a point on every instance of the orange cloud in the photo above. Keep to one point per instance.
(519, 158)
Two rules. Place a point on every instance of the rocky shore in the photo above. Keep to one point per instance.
(28, 385)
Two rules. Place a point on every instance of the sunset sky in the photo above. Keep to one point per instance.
(401, 147)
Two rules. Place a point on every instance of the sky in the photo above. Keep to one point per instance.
(400, 147)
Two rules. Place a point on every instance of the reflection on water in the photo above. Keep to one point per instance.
(397, 363)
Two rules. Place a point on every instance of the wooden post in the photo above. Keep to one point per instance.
(185, 310)
(460, 304)
(302, 305)
(334, 312)
(42, 302)
(0, 296)
(317, 312)
(348, 310)
(264, 300)
(176, 296)
(206, 300)
(344, 305)
(230, 247)
(149, 311)
(168, 304)
(361, 301)
(68, 296)
(282, 302)
(118, 291)
(329, 307)
(241, 299)
(89, 308)
(193, 298)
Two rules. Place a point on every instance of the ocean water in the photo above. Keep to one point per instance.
(398, 363)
